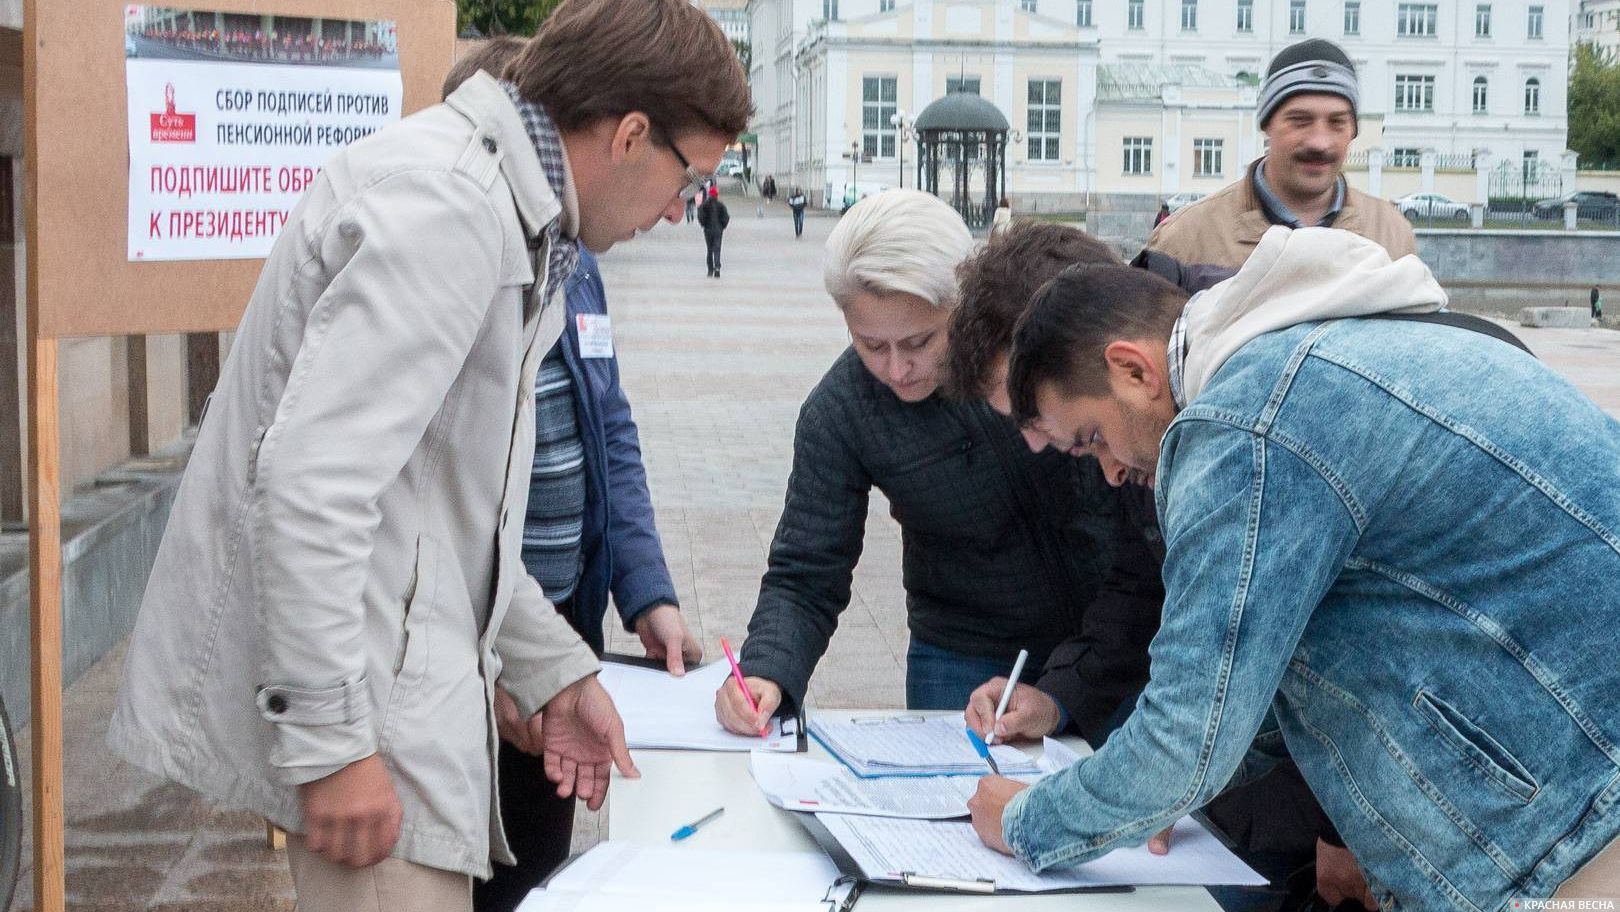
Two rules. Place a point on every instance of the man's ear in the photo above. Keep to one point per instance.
(631, 136)
(1132, 371)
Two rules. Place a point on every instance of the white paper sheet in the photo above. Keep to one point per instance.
(631, 877)
(543, 900)
(885, 847)
(662, 711)
(909, 745)
(799, 783)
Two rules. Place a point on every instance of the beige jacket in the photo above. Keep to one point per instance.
(341, 575)
(1223, 228)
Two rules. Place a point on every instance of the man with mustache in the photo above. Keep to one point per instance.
(1307, 110)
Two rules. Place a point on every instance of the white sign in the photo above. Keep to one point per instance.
(232, 116)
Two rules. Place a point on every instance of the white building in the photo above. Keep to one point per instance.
(1450, 78)
(1597, 22)
(731, 15)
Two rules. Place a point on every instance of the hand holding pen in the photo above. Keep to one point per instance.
(745, 705)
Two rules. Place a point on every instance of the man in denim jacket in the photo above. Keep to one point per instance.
(1392, 537)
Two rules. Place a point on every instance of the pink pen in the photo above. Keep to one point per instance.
(736, 672)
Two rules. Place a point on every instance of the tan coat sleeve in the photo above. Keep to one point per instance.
(540, 653)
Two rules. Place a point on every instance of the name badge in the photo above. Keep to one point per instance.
(595, 335)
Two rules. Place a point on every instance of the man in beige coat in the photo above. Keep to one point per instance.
(339, 589)
(1307, 108)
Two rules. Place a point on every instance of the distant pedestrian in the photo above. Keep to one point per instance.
(796, 202)
(1002, 219)
(767, 189)
(1597, 303)
(714, 218)
(691, 206)
(1164, 213)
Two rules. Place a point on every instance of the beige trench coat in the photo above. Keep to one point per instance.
(341, 575)
(1223, 228)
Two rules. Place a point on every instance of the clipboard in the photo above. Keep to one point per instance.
(787, 723)
(913, 881)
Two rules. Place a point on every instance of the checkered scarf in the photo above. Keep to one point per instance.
(547, 142)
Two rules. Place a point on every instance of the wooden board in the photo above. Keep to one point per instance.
(87, 286)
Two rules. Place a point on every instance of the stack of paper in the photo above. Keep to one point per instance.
(628, 877)
(887, 849)
(661, 710)
(907, 745)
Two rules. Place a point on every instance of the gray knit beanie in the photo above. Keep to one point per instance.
(1313, 66)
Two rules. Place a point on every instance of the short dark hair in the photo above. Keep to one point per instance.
(1075, 317)
(596, 59)
(491, 56)
(997, 283)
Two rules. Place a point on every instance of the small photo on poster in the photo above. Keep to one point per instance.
(167, 33)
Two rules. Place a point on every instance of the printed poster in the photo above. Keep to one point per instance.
(231, 116)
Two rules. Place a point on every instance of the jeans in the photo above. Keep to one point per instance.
(940, 679)
(798, 222)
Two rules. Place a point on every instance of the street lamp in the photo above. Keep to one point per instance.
(903, 133)
(855, 172)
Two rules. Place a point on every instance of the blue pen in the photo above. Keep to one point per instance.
(692, 827)
(982, 749)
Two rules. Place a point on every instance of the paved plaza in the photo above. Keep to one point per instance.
(715, 370)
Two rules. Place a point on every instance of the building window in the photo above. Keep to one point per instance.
(1352, 17)
(1208, 155)
(1027, 6)
(968, 84)
(1189, 15)
(1532, 96)
(885, 6)
(1482, 100)
(1245, 15)
(1533, 26)
(1135, 15)
(878, 104)
(829, 10)
(1414, 93)
(1532, 164)
(1406, 157)
(1082, 13)
(1296, 17)
(1138, 155)
(1045, 119)
(1482, 20)
(1416, 20)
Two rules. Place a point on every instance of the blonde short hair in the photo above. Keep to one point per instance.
(899, 241)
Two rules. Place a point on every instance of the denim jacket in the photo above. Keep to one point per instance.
(1403, 539)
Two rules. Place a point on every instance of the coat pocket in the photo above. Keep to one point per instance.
(411, 659)
(1477, 747)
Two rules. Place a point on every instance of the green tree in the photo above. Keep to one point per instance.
(1594, 109)
(745, 53)
(503, 17)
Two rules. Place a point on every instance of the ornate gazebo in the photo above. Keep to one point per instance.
(963, 137)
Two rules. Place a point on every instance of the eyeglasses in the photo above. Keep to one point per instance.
(694, 179)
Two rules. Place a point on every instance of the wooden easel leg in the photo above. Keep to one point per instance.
(45, 598)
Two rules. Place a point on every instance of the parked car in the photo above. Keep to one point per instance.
(1589, 204)
(729, 167)
(1431, 206)
(1184, 199)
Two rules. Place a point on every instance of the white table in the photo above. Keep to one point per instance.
(680, 786)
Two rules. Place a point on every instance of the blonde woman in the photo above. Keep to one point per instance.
(1003, 549)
